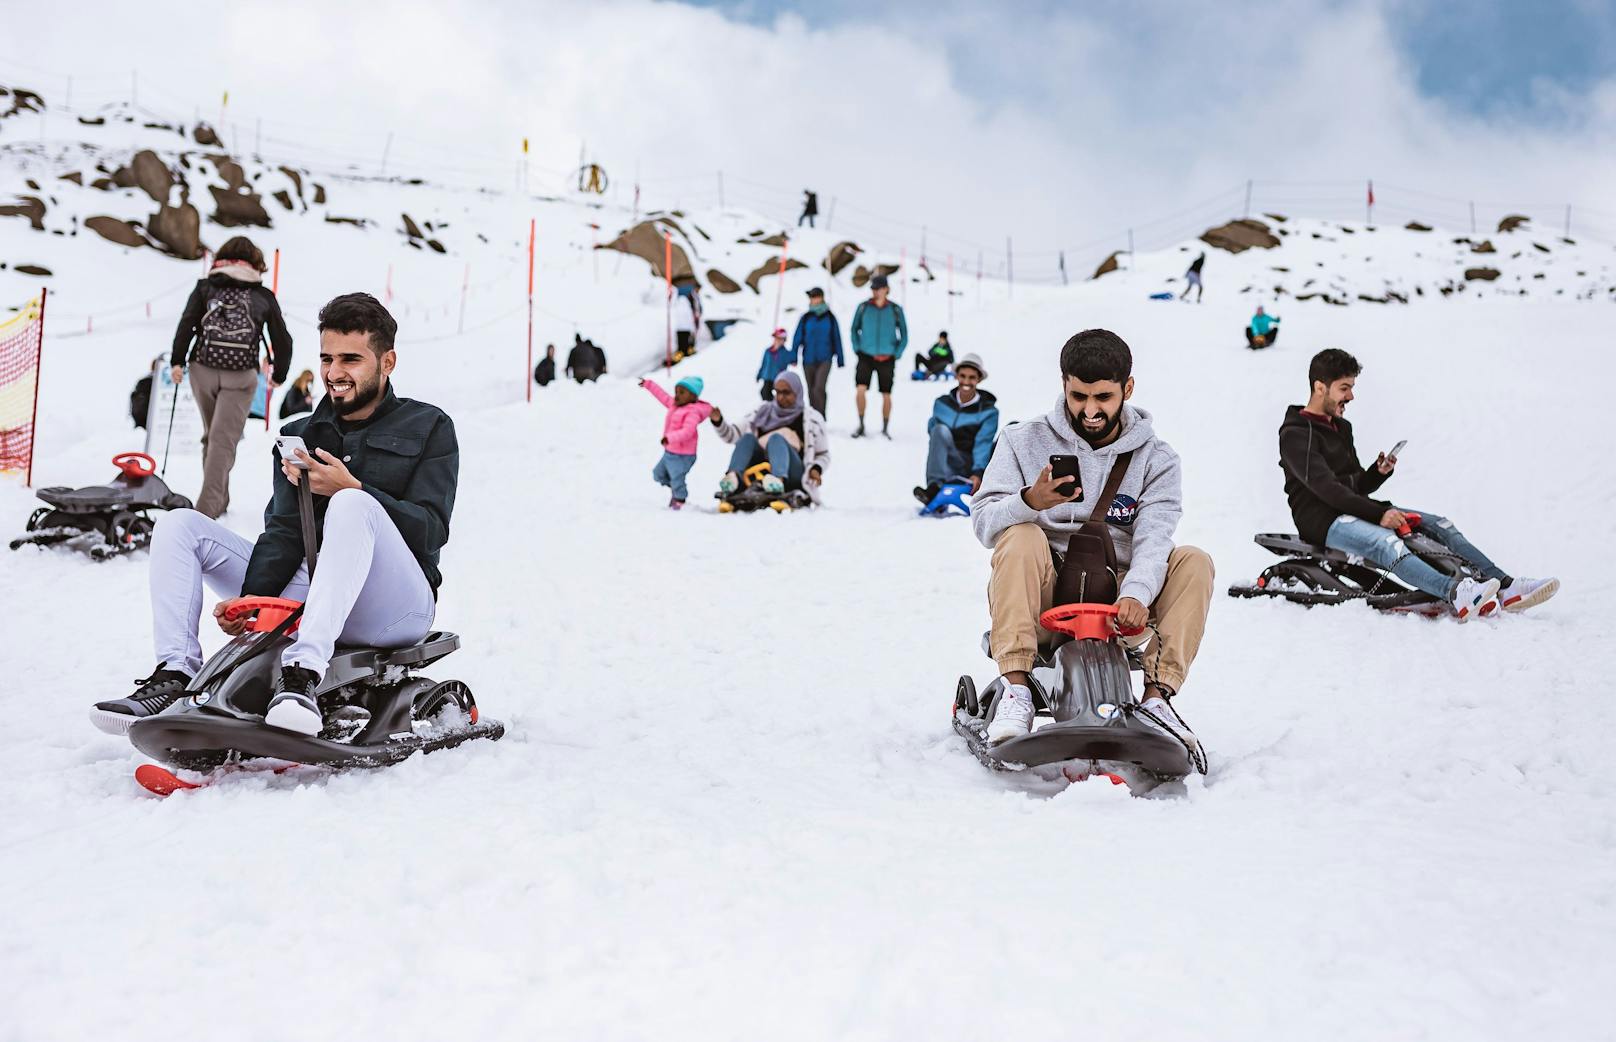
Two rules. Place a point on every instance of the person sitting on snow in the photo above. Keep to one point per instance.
(962, 427)
(1263, 329)
(786, 433)
(937, 359)
(585, 361)
(383, 470)
(1329, 493)
(777, 358)
(1027, 515)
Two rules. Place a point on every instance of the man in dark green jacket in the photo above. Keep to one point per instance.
(383, 471)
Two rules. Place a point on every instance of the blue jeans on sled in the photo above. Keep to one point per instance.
(1386, 548)
(784, 461)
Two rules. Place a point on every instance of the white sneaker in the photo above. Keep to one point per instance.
(296, 706)
(1014, 716)
(1475, 597)
(1526, 593)
(1158, 714)
(773, 485)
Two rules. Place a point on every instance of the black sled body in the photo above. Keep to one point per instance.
(103, 520)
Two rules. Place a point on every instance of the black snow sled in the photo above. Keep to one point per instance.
(378, 710)
(753, 496)
(1095, 725)
(104, 520)
(1310, 574)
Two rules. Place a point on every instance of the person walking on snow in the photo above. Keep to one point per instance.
(1192, 278)
(962, 427)
(818, 341)
(1263, 329)
(787, 434)
(777, 358)
(879, 336)
(810, 208)
(685, 311)
(1329, 492)
(219, 333)
(680, 428)
(383, 471)
(1028, 516)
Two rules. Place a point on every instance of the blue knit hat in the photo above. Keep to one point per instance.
(692, 384)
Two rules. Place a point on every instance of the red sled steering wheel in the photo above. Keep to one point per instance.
(135, 464)
(271, 612)
(1084, 621)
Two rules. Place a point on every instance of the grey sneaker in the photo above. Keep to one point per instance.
(155, 694)
(295, 707)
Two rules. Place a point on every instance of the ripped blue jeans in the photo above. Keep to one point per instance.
(1386, 548)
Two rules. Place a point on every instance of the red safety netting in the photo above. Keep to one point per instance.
(21, 338)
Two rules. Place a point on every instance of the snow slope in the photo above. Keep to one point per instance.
(730, 805)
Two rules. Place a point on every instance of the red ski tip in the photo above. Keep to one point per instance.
(161, 780)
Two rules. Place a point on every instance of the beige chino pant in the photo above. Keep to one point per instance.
(1023, 583)
(224, 397)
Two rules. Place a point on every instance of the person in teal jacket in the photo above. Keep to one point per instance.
(879, 336)
(1263, 330)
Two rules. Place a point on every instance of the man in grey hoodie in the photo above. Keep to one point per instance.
(1026, 515)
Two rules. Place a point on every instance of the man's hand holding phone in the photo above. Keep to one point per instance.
(1386, 462)
(1051, 490)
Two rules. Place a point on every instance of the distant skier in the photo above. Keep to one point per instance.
(686, 410)
(961, 429)
(1192, 278)
(545, 372)
(936, 360)
(880, 334)
(810, 208)
(219, 335)
(1263, 329)
(777, 358)
(818, 341)
(1329, 494)
(585, 362)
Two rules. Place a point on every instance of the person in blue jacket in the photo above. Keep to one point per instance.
(880, 334)
(1263, 330)
(817, 342)
(962, 427)
(777, 358)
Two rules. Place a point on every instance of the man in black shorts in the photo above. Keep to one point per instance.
(879, 336)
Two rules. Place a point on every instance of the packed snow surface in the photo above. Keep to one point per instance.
(729, 803)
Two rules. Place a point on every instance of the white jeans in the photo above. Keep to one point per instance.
(368, 590)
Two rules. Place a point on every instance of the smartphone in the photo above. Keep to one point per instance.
(1397, 450)
(1067, 467)
(287, 445)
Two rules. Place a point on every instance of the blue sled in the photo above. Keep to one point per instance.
(949, 497)
(921, 374)
(1161, 296)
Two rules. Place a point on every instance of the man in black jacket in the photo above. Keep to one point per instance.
(585, 361)
(383, 471)
(1330, 498)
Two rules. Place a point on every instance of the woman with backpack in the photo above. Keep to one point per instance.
(219, 335)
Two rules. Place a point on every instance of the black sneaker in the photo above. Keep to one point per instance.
(927, 493)
(155, 694)
(860, 432)
(295, 707)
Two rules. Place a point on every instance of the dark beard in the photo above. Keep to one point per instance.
(362, 397)
(1105, 432)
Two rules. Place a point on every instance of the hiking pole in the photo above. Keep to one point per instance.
(169, 441)
(305, 517)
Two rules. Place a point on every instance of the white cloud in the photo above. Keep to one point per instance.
(1057, 128)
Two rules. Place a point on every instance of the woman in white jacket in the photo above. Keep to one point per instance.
(786, 433)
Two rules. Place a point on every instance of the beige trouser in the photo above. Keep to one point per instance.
(223, 396)
(1023, 584)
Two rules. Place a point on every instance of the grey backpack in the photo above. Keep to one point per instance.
(228, 337)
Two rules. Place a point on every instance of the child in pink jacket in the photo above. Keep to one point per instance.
(686, 410)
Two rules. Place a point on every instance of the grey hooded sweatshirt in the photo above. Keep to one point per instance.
(1143, 517)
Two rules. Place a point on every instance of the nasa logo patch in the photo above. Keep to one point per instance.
(1123, 510)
